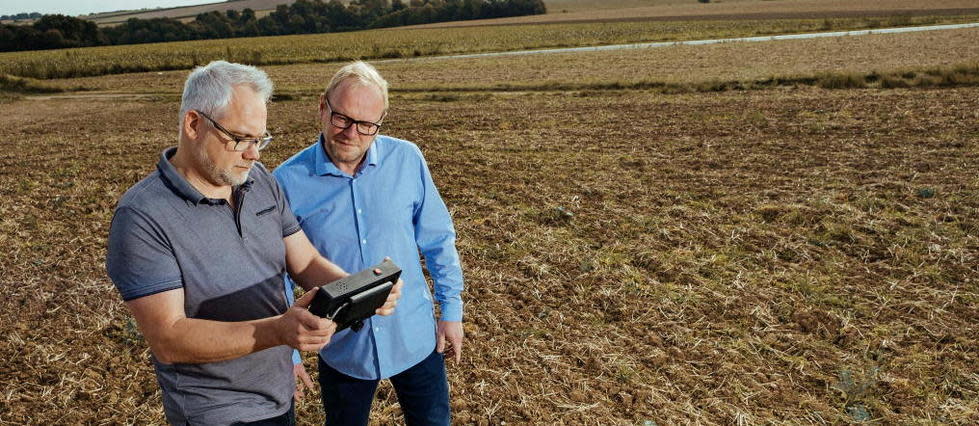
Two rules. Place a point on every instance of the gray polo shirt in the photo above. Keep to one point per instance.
(229, 262)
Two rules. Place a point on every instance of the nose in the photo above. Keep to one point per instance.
(252, 153)
(350, 132)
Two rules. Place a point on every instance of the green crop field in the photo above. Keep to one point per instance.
(873, 59)
(743, 233)
(407, 43)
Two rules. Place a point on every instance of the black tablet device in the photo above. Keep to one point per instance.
(350, 300)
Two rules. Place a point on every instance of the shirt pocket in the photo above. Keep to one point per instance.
(265, 223)
(266, 211)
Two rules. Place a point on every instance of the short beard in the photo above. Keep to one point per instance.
(220, 176)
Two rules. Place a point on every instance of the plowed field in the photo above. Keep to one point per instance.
(788, 254)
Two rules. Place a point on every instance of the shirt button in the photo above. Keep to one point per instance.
(359, 211)
(363, 241)
(377, 328)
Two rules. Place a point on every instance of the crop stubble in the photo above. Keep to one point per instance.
(706, 257)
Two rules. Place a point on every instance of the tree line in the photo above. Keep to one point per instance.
(20, 16)
(300, 17)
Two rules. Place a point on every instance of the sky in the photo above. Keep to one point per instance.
(77, 7)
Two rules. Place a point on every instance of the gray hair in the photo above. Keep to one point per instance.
(209, 88)
(363, 74)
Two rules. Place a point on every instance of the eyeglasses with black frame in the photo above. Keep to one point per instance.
(241, 143)
(342, 121)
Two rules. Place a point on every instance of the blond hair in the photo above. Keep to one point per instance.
(362, 74)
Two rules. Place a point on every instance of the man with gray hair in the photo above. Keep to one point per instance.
(197, 250)
(361, 196)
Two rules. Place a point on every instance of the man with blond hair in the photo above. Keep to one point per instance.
(197, 250)
(361, 196)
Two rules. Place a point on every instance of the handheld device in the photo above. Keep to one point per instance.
(352, 299)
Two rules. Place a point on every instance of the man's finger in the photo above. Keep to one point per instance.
(313, 322)
(395, 293)
(457, 348)
(320, 335)
(304, 379)
(387, 308)
(299, 370)
(392, 301)
(308, 381)
(312, 347)
(308, 339)
(323, 328)
(440, 344)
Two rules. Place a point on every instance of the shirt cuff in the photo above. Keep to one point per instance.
(452, 311)
(296, 359)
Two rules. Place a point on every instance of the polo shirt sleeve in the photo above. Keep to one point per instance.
(140, 260)
(435, 237)
(290, 225)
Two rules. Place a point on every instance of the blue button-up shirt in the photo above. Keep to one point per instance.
(388, 208)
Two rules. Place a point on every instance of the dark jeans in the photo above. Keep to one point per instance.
(286, 419)
(423, 393)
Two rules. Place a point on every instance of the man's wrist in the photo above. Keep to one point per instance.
(268, 333)
(451, 316)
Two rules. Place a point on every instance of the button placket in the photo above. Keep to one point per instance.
(358, 220)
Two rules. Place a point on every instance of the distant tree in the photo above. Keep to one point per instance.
(74, 32)
(20, 16)
(150, 30)
(425, 11)
(51, 39)
(7, 38)
(212, 25)
(368, 10)
(247, 15)
(341, 17)
(299, 17)
(277, 21)
(249, 29)
(268, 26)
(19, 37)
(471, 9)
(245, 25)
(51, 32)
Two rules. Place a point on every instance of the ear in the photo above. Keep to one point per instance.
(322, 104)
(192, 124)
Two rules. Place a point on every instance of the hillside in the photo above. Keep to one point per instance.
(185, 11)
